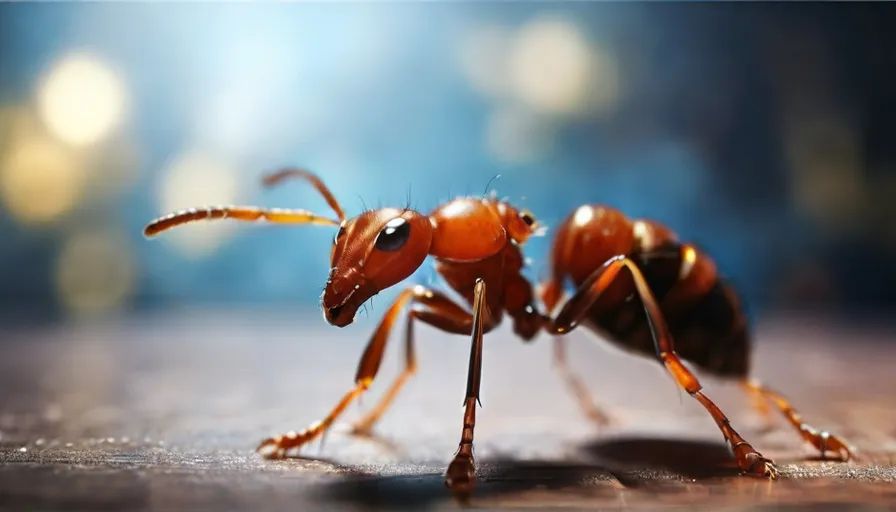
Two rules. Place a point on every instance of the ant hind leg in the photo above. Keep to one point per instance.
(761, 405)
(825, 442)
(748, 459)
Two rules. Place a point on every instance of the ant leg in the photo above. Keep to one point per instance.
(447, 318)
(823, 441)
(760, 404)
(276, 447)
(461, 473)
(551, 294)
(749, 460)
(243, 213)
(594, 413)
(430, 305)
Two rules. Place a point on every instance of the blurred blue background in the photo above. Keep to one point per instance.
(760, 131)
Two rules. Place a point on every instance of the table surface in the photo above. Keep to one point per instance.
(165, 413)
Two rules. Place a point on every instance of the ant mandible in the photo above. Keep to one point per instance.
(672, 303)
(475, 243)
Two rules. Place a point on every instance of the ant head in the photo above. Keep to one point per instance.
(519, 223)
(372, 252)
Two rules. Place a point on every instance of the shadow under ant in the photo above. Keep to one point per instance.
(609, 466)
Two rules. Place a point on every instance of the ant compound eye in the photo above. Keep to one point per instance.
(394, 235)
(339, 234)
(527, 218)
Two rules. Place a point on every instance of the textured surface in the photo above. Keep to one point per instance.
(165, 413)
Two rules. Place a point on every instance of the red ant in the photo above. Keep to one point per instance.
(476, 244)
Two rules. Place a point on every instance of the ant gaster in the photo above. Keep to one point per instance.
(671, 303)
(475, 243)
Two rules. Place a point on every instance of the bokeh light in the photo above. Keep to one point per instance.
(537, 77)
(81, 100)
(546, 65)
(552, 67)
(195, 179)
(95, 272)
(41, 179)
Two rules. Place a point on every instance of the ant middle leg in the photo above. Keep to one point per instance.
(748, 459)
(551, 294)
(586, 403)
(825, 442)
(460, 476)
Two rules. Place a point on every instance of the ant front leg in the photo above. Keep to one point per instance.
(749, 460)
(823, 441)
(431, 307)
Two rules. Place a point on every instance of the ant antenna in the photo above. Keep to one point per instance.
(363, 204)
(489, 184)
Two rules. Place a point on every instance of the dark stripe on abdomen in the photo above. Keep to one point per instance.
(714, 334)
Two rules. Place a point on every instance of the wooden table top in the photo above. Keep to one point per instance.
(165, 412)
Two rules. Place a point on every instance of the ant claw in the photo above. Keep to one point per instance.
(270, 449)
(277, 447)
(753, 463)
(830, 443)
(460, 477)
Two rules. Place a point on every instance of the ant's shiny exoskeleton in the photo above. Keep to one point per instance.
(636, 284)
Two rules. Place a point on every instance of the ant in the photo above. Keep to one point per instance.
(672, 303)
(476, 244)
(672, 291)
